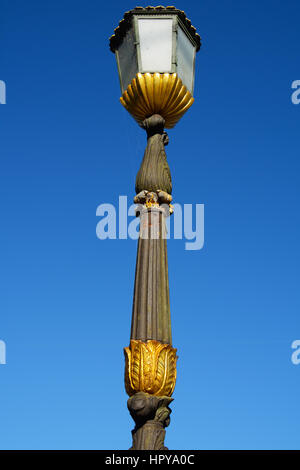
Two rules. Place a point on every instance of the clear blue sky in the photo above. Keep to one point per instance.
(67, 145)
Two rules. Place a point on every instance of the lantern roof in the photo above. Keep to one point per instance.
(125, 24)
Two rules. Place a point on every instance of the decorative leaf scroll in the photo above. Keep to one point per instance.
(157, 93)
(150, 367)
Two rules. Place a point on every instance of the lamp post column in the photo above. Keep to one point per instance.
(155, 49)
(150, 369)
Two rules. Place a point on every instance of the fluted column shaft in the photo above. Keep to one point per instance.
(151, 305)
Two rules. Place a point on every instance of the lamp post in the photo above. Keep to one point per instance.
(155, 48)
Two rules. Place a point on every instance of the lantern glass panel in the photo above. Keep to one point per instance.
(185, 59)
(155, 39)
(127, 60)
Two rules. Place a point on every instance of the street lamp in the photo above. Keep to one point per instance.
(155, 48)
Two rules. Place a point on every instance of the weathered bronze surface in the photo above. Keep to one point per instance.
(151, 303)
(150, 360)
(151, 415)
(154, 173)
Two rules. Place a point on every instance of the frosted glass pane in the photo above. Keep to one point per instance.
(156, 44)
(127, 59)
(185, 59)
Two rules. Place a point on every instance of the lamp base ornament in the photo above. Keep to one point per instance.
(150, 367)
(151, 415)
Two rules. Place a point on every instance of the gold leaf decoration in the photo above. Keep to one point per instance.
(150, 367)
(157, 93)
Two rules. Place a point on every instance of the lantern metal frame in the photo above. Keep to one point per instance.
(176, 23)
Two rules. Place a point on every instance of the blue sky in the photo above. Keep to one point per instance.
(67, 145)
